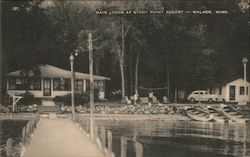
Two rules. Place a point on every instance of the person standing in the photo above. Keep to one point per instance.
(136, 97)
(151, 95)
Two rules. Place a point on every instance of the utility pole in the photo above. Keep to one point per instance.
(245, 61)
(168, 84)
(71, 58)
(1, 64)
(91, 83)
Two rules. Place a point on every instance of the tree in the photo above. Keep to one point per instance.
(188, 50)
(138, 45)
(120, 30)
(24, 41)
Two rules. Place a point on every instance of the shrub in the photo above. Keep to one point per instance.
(80, 98)
(28, 99)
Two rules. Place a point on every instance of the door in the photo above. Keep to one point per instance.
(231, 93)
(204, 96)
(46, 87)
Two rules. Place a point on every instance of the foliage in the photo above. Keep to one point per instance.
(80, 98)
(29, 99)
(195, 51)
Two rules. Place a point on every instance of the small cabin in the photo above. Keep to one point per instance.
(236, 91)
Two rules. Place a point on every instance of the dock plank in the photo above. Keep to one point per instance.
(60, 138)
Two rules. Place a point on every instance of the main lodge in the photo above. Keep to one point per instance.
(51, 81)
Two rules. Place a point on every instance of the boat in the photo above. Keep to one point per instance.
(233, 114)
(198, 115)
(218, 116)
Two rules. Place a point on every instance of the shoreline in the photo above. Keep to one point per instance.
(121, 117)
(161, 117)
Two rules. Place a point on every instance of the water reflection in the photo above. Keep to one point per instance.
(11, 128)
(184, 138)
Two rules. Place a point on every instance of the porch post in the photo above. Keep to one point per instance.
(51, 87)
(84, 85)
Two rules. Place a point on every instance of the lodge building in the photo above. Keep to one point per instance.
(50, 82)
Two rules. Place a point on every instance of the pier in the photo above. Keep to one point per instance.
(60, 137)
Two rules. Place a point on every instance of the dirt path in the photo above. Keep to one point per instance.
(60, 138)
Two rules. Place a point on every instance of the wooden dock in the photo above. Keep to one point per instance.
(60, 138)
(17, 116)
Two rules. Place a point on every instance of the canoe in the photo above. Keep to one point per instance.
(233, 114)
(198, 115)
(218, 116)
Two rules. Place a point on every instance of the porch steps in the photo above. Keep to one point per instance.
(48, 102)
(48, 109)
(52, 115)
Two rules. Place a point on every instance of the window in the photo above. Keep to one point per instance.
(16, 84)
(242, 90)
(20, 84)
(35, 84)
(99, 85)
(56, 84)
(247, 91)
(61, 85)
(12, 84)
(79, 85)
(232, 93)
(87, 85)
(67, 84)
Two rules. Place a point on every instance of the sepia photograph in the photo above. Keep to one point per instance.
(124, 78)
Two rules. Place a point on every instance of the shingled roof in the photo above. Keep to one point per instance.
(49, 71)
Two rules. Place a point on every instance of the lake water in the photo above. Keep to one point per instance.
(167, 138)
(181, 138)
(11, 128)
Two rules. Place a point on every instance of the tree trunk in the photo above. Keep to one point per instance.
(123, 81)
(168, 81)
(131, 88)
(122, 63)
(136, 72)
(176, 95)
(26, 82)
(1, 87)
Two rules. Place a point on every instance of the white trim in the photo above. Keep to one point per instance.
(84, 85)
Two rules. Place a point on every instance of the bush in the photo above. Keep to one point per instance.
(29, 99)
(80, 98)
(7, 101)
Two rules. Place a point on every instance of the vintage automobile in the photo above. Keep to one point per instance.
(203, 96)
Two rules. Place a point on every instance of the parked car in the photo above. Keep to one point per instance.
(202, 95)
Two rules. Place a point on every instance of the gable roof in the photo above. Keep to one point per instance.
(223, 83)
(49, 71)
(239, 79)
